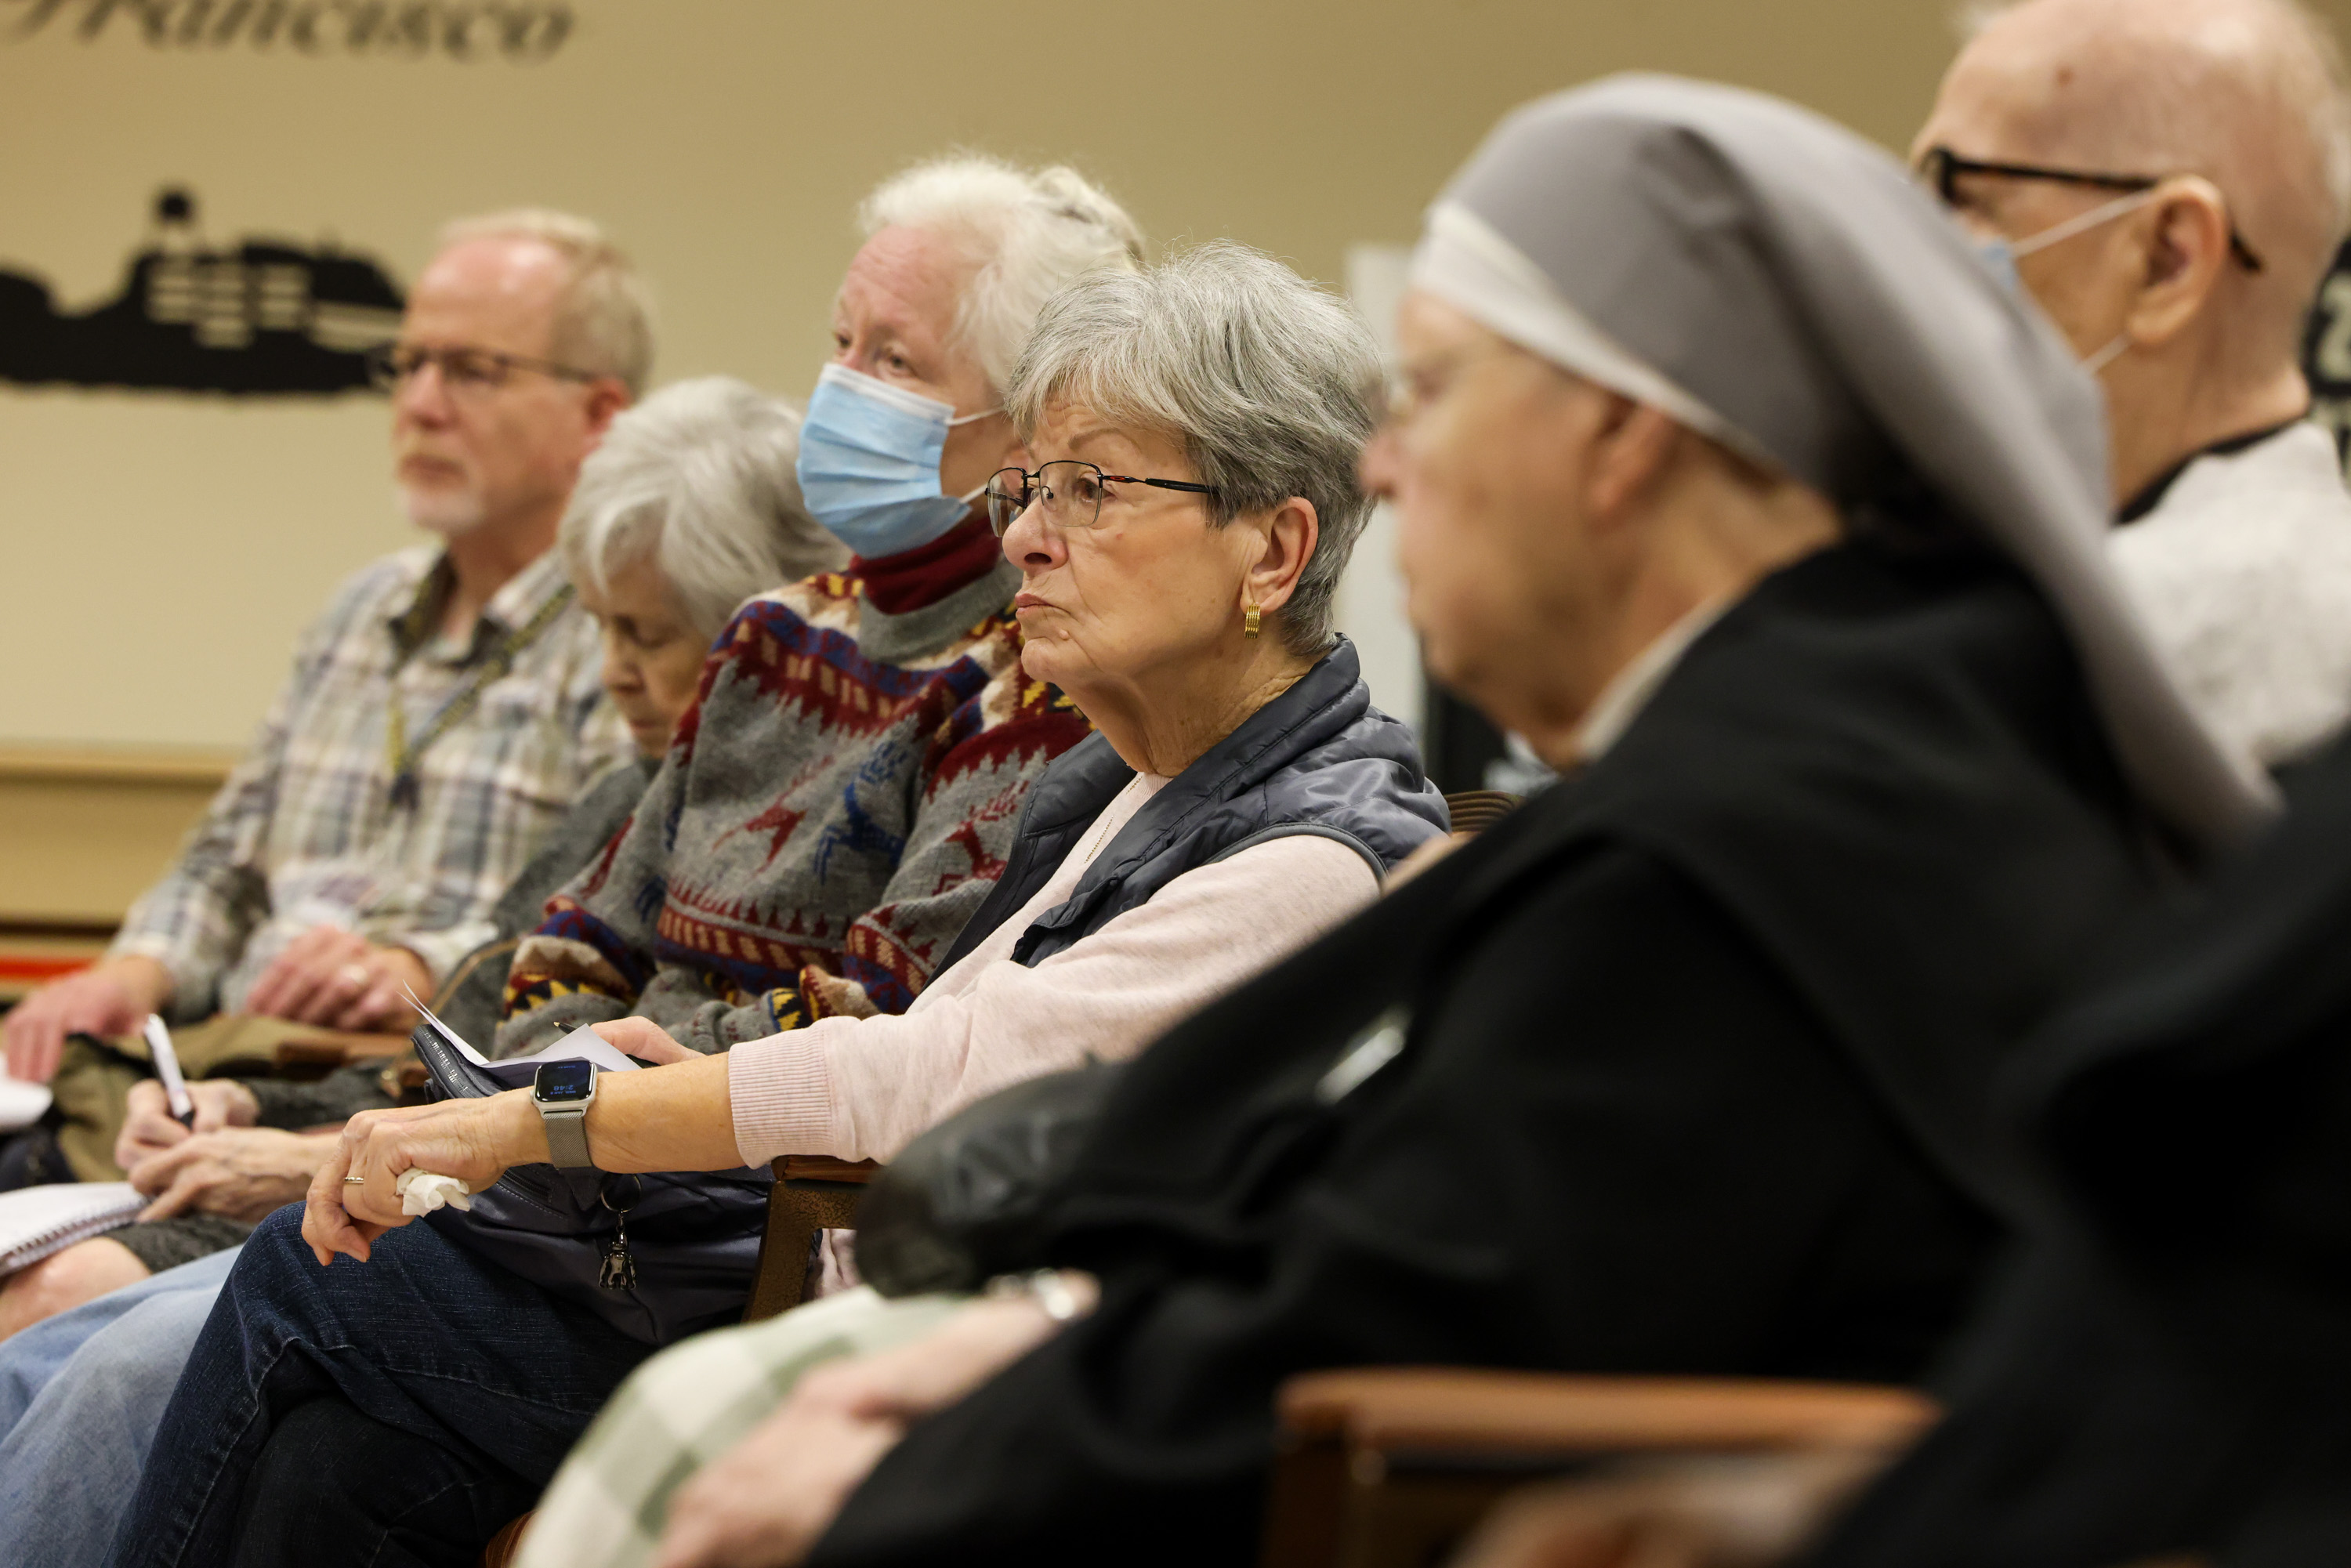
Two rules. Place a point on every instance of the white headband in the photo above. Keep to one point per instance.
(1464, 261)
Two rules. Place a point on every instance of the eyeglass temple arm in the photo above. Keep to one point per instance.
(1159, 484)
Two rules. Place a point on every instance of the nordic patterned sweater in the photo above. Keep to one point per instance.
(834, 806)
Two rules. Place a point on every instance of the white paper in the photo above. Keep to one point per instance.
(579, 1045)
(22, 1103)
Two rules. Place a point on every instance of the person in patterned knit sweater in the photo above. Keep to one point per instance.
(839, 801)
(730, 908)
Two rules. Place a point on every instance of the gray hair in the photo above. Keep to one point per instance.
(699, 476)
(1269, 383)
(1029, 232)
(604, 323)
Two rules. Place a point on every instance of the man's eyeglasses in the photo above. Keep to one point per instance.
(463, 370)
(1069, 491)
(1941, 168)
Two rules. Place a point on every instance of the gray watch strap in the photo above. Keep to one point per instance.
(566, 1136)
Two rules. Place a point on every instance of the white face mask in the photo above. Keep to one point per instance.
(2002, 255)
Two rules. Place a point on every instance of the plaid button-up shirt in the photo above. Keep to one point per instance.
(307, 832)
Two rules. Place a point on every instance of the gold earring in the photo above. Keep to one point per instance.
(1249, 620)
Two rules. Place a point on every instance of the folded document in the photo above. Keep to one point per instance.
(36, 1221)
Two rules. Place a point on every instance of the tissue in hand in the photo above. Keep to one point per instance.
(423, 1191)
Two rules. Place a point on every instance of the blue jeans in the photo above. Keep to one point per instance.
(80, 1397)
(426, 1338)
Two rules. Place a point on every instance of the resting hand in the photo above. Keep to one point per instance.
(242, 1173)
(644, 1040)
(112, 998)
(1726, 1512)
(339, 980)
(473, 1140)
(150, 1128)
(766, 1502)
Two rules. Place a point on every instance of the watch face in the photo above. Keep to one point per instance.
(558, 1082)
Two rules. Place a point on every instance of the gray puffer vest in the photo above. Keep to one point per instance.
(1319, 759)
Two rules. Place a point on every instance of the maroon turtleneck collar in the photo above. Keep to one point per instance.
(928, 573)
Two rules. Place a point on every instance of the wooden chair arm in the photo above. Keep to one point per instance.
(824, 1168)
(1475, 810)
(812, 1192)
(1467, 1411)
(1390, 1466)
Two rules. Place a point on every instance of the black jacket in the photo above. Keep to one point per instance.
(2167, 1371)
(1696, 1056)
(1319, 759)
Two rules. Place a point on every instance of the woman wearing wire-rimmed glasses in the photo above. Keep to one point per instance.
(1138, 599)
(1198, 428)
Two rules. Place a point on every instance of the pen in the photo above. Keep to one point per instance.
(167, 1068)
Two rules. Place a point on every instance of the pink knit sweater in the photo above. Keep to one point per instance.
(862, 1088)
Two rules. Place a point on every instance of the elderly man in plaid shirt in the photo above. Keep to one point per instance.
(442, 716)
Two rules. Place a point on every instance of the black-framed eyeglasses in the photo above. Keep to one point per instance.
(1069, 491)
(463, 370)
(1941, 169)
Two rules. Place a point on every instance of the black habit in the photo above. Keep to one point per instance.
(1697, 1064)
(2168, 1370)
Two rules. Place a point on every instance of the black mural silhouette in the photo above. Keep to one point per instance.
(2326, 353)
(264, 319)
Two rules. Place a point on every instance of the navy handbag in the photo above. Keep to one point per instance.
(657, 1257)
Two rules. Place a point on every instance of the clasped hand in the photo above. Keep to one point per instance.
(339, 980)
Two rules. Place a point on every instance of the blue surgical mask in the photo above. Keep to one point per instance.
(1998, 253)
(868, 462)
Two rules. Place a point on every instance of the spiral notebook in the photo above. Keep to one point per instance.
(36, 1221)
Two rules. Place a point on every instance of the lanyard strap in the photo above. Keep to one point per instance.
(399, 754)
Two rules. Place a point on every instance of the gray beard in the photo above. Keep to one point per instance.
(449, 513)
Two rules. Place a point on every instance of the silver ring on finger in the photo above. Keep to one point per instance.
(355, 1181)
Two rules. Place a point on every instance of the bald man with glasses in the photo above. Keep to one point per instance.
(2169, 180)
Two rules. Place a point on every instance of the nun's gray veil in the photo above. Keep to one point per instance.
(1768, 278)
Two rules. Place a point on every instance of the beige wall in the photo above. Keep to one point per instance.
(82, 833)
(162, 550)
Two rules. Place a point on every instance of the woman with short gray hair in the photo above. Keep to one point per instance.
(1266, 383)
(700, 476)
(1196, 429)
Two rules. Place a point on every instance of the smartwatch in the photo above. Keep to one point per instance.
(563, 1090)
